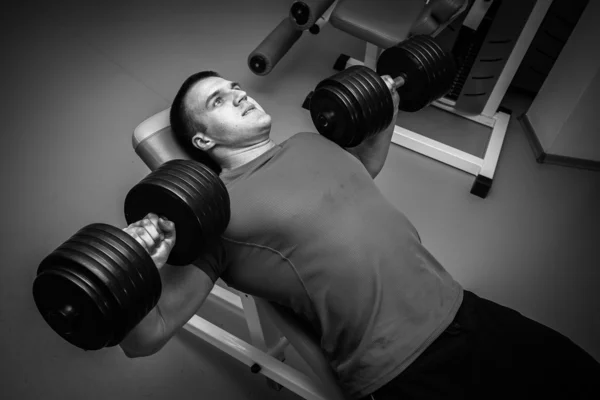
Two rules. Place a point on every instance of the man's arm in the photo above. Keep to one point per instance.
(184, 290)
(373, 152)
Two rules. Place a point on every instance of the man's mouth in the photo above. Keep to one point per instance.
(248, 110)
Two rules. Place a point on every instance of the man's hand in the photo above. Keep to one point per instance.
(156, 235)
(395, 96)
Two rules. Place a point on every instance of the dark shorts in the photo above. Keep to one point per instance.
(493, 352)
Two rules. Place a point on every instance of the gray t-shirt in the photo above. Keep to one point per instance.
(311, 231)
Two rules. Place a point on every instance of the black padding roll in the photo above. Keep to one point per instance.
(272, 49)
(304, 14)
(443, 10)
(425, 25)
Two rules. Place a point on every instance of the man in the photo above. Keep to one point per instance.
(311, 231)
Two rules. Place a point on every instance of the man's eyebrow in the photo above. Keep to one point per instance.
(232, 85)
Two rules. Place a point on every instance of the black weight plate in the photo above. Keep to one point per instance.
(87, 269)
(384, 101)
(115, 263)
(121, 255)
(197, 181)
(433, 69)
(120, 267)
(151, 196)
(205, 214)
(212, 219)
(205, 197)
(197, 224)
(354, 108)
(426, 62)
(54, 289)
(377, 99)
(346, 98)
(209, 176)
(344, 123)
(328, 99)
(387, 63)
(363, 94)
(396, 61)
(218, 192)
(419, 82)
(345, 85)
(84, 266)
(110, 272)
(145, 284)
(367, 99)
(59, 260)
(388, 105)
(56, 261)
(446, 66)
(164, 182)
(172, 180)
(437, 66)
(414, 46)
(351, 106)
(190, 186)
(144, 262)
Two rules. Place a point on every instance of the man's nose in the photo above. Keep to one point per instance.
(240, 96)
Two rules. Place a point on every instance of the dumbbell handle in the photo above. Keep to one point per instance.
(395, 83)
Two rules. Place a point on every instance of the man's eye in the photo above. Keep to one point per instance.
(218, 100)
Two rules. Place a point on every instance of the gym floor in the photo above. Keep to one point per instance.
(78, 77)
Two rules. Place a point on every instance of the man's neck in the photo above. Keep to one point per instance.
(239, 157)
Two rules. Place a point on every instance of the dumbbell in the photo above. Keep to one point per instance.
(98, 285)
(357, 102)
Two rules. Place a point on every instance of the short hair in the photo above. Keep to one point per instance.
(183, 123)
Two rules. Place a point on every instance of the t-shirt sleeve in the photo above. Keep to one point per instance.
(213, 261)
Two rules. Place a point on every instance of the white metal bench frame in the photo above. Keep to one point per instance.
(258, 353)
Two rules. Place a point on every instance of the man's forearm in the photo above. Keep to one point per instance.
(374, 151)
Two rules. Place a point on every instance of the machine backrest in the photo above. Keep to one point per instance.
(154, 142)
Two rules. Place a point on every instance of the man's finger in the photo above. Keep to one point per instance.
(151, 228)
(147, 241)
(166, 226)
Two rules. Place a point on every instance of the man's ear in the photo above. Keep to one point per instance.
(202, 141)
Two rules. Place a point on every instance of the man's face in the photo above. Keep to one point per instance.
(231, 118)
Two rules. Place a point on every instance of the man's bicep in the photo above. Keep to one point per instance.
(367, 163)
(185, 288)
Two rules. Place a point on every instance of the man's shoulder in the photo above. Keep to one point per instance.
(309, 137)
(303, 135)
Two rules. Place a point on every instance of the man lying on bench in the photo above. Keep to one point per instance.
(311, 231)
